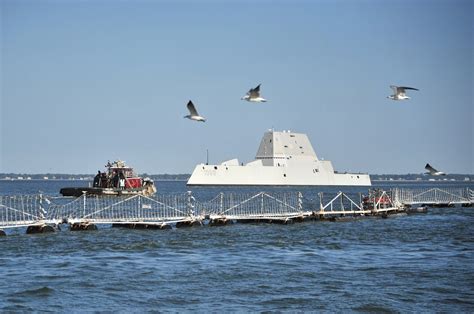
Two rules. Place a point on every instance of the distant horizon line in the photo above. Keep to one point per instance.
(189, 174)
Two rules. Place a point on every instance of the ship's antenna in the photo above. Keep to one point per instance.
(207, 156)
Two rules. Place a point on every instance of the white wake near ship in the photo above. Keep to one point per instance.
(283, 158)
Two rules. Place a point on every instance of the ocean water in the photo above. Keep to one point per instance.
(413, 263)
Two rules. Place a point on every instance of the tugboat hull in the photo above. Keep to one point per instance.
(76, 192)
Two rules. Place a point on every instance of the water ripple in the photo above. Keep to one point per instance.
(408, 264)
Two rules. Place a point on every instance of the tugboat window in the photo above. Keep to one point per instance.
(215, 167)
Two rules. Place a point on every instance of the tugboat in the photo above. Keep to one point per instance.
(119, 179)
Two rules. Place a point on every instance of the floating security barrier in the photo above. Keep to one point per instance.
(223, 221)
(39, 229)
(142, 226)
(417, 210)
(80, 226)
(188, 223)
(40, 213)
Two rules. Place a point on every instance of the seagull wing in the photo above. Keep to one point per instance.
(192, 109)
(430, 169)
(255, 92)
(405, 87)
(395, 89)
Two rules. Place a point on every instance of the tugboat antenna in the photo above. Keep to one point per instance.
(207, 156)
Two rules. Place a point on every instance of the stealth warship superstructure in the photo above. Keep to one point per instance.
(283, 158)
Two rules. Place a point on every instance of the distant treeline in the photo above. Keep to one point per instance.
(170, 177)
(64, 176)
(421, 177)
(185, 177)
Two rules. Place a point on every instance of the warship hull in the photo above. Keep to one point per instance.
(283, 159)
(243, 175)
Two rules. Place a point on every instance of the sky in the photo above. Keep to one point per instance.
(83, 82)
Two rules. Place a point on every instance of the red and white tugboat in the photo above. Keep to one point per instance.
(119, 179)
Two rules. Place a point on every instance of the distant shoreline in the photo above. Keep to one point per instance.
(66, 179)
(184, 177)
(84, 177)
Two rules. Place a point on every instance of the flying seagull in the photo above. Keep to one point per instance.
(254, 95)
(432, 171)
(194, 115)
(399, 92)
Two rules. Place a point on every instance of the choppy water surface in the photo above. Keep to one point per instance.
(411, 263)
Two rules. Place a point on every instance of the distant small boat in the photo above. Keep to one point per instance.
(119, 179)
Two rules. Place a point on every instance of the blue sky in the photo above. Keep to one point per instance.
(87, 81)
